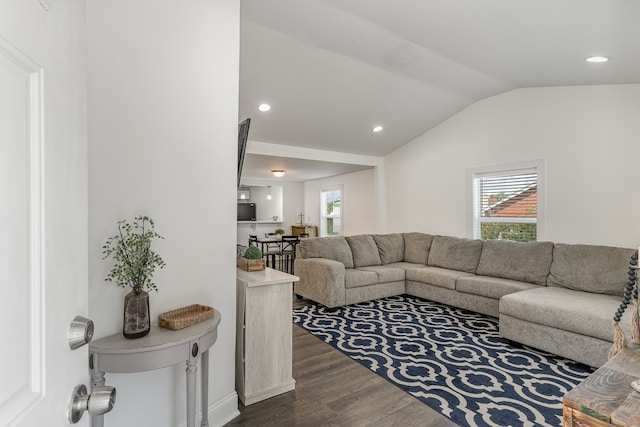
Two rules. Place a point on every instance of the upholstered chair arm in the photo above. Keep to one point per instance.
(321, 280)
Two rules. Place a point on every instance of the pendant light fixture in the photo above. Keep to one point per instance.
(269, 195)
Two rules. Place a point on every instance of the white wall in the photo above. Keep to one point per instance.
(293, 193)
(266, 208)
(162, 107)
(359, 213)
(588, 137)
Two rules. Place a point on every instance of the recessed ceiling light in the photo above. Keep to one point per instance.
(377, 129)
(596, 59)
(264, 107)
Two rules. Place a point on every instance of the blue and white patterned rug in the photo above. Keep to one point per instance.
(451, 359)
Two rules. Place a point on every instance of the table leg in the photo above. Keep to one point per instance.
(191, 391)
(204, 380)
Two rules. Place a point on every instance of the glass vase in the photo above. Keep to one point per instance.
(137, 322)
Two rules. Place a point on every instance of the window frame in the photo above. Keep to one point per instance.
(324, 216)
(474, 221)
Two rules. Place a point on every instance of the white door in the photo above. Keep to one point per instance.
(43, 209)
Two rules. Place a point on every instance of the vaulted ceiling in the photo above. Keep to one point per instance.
(333, 69)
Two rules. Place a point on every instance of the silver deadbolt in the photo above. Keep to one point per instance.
(80, 332)
(100, 401)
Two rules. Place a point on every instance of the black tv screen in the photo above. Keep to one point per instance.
(243, 135)
(246, 211)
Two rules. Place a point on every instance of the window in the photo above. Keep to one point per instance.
(331, 212)
(506, 203)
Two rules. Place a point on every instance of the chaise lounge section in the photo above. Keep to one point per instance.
(556, 297)
(573, 313)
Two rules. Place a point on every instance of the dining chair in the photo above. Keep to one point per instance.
(270, 250)
(288, 253)
(253, 240)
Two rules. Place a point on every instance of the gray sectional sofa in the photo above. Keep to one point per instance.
(559, 298)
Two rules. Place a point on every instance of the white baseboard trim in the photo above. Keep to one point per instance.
(220, 412)
(224, 410)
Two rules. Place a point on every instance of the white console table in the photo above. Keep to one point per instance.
(263, 334)
(159, 349)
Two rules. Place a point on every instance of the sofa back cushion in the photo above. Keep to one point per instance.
(455, 253)
(390, 247)
(590, 268)
(416, 247)
(524, 261)
(364, 250)
(334, 247)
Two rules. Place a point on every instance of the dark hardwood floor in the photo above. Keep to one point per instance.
(333, 390)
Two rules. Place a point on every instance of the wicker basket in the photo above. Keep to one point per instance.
(185, 316)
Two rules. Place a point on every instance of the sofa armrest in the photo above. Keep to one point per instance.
(321, 280)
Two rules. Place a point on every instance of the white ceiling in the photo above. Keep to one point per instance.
(332, 69)
(298, 170)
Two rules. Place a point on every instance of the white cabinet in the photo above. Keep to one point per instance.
(263, 334)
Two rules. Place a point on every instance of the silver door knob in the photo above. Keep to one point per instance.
(80, 332)
(100, 401)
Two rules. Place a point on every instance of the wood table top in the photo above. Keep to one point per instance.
(607, 394)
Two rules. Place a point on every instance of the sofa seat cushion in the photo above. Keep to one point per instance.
(416, 247)
(355, 278)
(404, 265)
(522, 261)
(385, 273)
(364, 250)
(490, 287)
(437, 276)
(590, 268)
(334, 247)
(579, 312)
(390, 247)
(455, 253)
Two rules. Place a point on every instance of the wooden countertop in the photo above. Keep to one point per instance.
(607, 395)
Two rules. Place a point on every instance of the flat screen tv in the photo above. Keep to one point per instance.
(246, 211)
(243, 135)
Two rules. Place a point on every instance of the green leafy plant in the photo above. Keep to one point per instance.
(279, 231)
(135, 262)
(253, 252)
